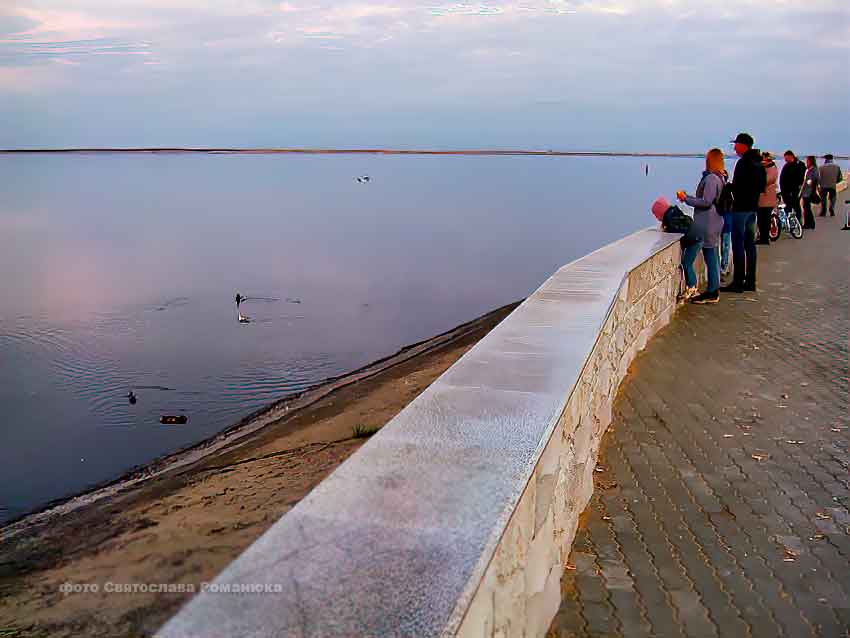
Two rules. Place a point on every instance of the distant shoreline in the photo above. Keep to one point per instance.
(362, 151)
(342, 151)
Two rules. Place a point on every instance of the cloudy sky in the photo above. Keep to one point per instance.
(618, 75)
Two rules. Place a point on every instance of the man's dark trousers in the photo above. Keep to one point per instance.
(744, 249)
(764, 215)
(827, 193)
(792, 204)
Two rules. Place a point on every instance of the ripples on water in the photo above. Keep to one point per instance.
(120, 274)
(78, 359)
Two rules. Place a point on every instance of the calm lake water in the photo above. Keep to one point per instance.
(119, 272)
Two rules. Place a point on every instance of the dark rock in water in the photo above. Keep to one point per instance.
(174, 420)
(293, 300)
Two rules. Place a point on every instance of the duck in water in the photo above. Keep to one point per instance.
(131, 397)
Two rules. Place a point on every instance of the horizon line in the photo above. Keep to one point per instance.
(362, 151)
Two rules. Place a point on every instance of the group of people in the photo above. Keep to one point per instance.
(726, 212)
(798, 182)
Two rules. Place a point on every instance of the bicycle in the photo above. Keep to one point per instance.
(780, 220)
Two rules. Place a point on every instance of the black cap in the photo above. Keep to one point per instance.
(828, 156)
(744, 138)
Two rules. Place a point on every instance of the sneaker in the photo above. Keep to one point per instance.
(689, 293)
(733, 287)
(707, 297)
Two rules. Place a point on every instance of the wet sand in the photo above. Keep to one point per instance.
(183, 519)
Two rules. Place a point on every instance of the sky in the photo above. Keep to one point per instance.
(649, 75)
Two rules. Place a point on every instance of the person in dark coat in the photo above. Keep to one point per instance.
(791, 182)
(748, 183)
(810, 194)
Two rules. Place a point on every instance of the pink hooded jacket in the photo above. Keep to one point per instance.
(768, 198)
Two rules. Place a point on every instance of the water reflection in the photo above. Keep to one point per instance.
(120, 274)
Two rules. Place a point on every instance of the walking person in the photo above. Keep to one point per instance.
(709, 224)
(810, 191)
(830, 177)
(748, 183)
(767, 200)
(791, 182)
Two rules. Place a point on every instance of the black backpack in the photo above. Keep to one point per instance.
(726, 199)
(675, 221)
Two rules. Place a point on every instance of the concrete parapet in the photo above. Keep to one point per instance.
(457, 518)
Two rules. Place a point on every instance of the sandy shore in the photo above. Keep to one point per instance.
(182, 519)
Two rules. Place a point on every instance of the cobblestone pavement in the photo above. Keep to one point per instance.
(722, 495)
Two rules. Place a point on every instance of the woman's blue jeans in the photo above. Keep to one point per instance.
(709, 255)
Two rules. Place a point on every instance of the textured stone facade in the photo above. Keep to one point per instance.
(520, 592)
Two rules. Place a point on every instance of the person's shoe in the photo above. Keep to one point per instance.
(733, 287)
(822, 215)
(707, 297)
(763, 242)
(749, 287)
(689, 293)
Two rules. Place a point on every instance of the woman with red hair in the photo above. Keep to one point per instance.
(710, 225)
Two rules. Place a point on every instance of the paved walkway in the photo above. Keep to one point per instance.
(721, 506)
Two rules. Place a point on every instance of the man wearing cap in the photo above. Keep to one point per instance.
(748, 183)
(791, 183)
(830, 177)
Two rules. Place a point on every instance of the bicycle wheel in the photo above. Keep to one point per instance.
(795, 227)
(775, 228)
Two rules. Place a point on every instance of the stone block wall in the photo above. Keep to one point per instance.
(520, 592)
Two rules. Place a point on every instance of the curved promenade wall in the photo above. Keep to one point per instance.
(457, 518)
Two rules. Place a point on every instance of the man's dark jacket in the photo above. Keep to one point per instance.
(792, 177)
(748, 182)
